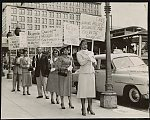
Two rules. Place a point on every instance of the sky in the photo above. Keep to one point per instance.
(125, 14)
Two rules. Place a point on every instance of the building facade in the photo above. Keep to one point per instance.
(37, 16)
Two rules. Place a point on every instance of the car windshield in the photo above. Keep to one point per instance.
(137, 61)
(124, 62)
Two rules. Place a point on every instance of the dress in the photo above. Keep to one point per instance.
(65, 83)
(26, 75)
(52, 81)
(86, 80)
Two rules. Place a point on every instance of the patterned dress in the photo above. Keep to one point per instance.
(52, 82)
(65, 83)
(26, 75)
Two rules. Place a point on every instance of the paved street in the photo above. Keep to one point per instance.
(15, 105)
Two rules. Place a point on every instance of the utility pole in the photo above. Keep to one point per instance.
(108, 99)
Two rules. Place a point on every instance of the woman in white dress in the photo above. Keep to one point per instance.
(86, 80)
(25, 63)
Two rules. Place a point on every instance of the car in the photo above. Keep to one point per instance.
(129, 76)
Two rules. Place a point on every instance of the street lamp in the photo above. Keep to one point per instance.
(9, 75)
(108, 98)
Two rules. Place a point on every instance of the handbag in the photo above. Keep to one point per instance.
(30, 68)
(62, 72)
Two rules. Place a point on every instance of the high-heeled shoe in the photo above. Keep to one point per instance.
(57, 101)
(90, 111)
(62, 106)
(28, 93)
(52, 101)
(83, 112)
(70, 106)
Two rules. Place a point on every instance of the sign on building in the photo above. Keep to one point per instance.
(51, 37)
(13, 42)
(92, 27)
(71, 34)
(23, 40)
(33, 38)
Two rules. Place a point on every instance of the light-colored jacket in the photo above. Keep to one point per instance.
(85, 59)
(25, 63)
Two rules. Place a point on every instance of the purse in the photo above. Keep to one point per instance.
(30, 68)
(62, 72)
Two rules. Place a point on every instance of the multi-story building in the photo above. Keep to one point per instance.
(37, 16)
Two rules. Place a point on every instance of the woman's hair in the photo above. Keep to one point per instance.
(55, 50)
(24, 51)
(62, 50)
(82, 42)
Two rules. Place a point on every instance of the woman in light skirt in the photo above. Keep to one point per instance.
(86, 80)
(26, 74)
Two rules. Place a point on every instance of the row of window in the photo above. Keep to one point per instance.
(44, 20)
(37, 27)
(51, 14)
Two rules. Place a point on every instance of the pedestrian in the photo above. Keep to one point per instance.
(65, 76)
(17, 72)
(41, 72)
(52, 82)
(86, 79)
(26, 74)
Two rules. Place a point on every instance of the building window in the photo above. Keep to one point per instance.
(44, 6)
(78, 23)
(58, 22)
(78, 10)
(72, 22)
(44, 13)
(22, 26)
(14, 10)
(96, 12)
(21, 11)
(51, 21)
(77, 17)
(13, 18)
(72, 16)
(37, 27)
(21, 19)
(51, 26)
(29, 26)
(37, 5)
(44, 21)
(13, 25)
(37, 20)
(58, 15)
(29, 12)
(51, 14)
(29, 19)
(65, 16)
(37, 13)
(65, 20)
(44, 26)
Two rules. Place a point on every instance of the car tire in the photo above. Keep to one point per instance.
(133, 95)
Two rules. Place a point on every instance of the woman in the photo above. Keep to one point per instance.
(86, 80)
(52, 83)
(65, 76)
(26, 74)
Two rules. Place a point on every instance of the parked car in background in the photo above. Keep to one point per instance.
(129, 76)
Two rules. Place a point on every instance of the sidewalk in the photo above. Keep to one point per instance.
(14, 105)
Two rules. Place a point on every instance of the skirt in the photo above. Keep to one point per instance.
(86, 86)
(26, 79)
(65, 85)
(52, 82)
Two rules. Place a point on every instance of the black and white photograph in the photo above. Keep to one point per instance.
(67, 60)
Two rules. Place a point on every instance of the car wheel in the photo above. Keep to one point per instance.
(134, 95)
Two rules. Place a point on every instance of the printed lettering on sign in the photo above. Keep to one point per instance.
(13, 42)
(92, 27)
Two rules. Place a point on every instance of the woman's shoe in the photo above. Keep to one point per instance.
(90, 111)
(28, 93)
(24, 93)
(57, 101)
(83, 112)
(70, 106)
(62, 106)
(52, 101)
